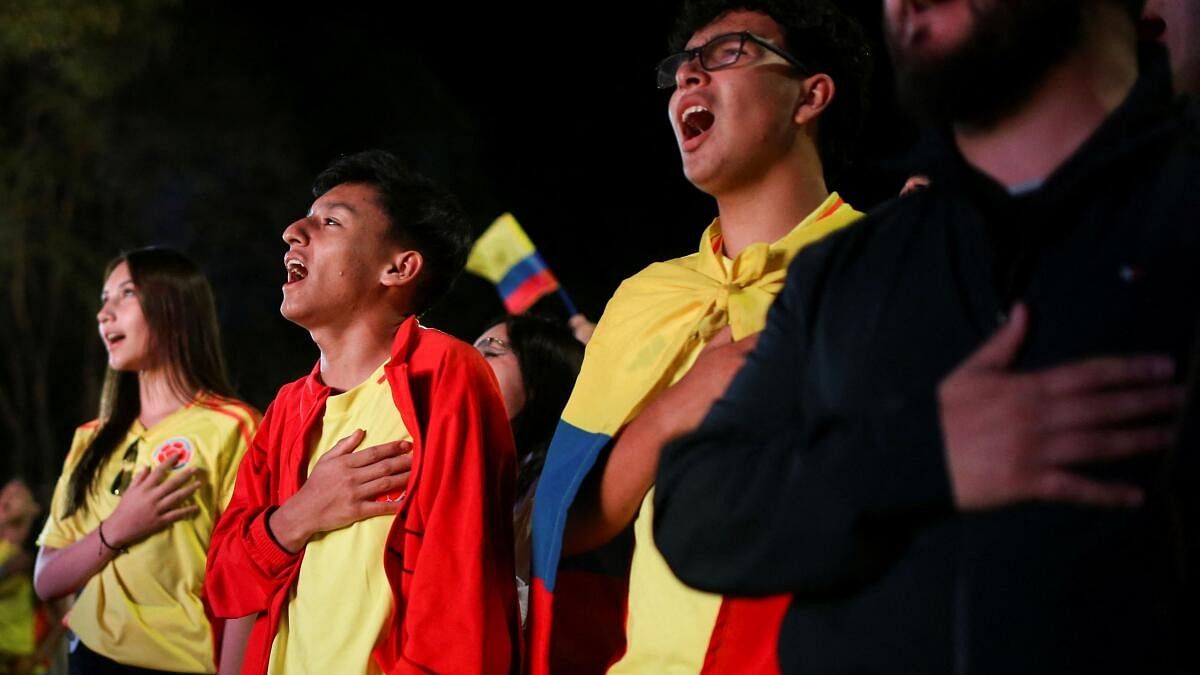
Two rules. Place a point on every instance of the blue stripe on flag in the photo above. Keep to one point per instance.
(572, 455)
(518, 273)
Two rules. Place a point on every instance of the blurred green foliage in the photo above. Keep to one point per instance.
(63, 66)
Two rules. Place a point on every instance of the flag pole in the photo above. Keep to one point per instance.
(566, 299)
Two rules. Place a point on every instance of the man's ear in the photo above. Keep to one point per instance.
(403, 269)
(819, 91)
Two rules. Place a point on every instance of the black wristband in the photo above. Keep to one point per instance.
(270, 533)
(114, 549)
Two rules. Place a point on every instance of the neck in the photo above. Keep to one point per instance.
(771, 207)
(350, 354)
(1068, 106)
(157, 397)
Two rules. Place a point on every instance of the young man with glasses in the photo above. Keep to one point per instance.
(960, 414)
(767, 96)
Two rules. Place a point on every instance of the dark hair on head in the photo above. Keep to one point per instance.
(549, 358)
(185, 339)
(423, 216)
(824, 40)
(27, 517)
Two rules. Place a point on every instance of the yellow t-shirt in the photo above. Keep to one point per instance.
(669, 625)
(16, 608)
(143, 609)
(342, 600)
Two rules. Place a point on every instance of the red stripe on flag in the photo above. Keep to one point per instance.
(541, 611)
(523, 296)
(745, 638)
(579, 628)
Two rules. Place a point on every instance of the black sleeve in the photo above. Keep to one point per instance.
(1184, 496)
(768, 496)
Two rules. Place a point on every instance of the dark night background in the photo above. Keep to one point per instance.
(197, 125)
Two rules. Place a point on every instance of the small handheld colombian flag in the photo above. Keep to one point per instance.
(504, 255)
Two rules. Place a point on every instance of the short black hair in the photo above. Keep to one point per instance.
(423, 216)
(824, 40)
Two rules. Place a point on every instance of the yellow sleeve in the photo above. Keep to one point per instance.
(232, 450)
(61, 531)
(11, 582)
(7, 550)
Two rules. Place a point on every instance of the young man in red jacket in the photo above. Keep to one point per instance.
(397, 557)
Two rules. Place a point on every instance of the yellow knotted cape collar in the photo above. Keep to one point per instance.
(660, 317)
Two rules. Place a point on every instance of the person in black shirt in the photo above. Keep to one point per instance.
(951, 441)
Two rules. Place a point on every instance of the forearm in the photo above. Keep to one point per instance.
(246, 566)
(233, 644)
(61, 572)
(798, 511)
(608, 503)
(289, 526)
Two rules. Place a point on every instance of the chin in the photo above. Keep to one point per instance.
(293, 319)
(125, 365)
(708, 182)
(298, 320)
(289, 310)
(701, 177)
(300, 316)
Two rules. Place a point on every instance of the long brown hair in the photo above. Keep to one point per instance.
(177, 302)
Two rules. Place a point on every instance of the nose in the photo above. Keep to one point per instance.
(691, 74)
(296, 234)
(105, 314)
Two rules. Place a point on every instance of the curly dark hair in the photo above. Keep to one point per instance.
(424, 216)
(824, 40)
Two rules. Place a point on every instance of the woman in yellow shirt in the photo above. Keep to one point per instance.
(143, 484)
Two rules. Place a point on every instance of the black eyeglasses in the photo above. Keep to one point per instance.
(720, 52)
(121, 482)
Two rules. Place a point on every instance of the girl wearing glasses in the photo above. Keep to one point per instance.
(535, 361)
(142, 485)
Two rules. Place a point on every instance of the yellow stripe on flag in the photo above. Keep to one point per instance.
(501, 246)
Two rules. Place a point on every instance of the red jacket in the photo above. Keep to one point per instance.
(449, 556)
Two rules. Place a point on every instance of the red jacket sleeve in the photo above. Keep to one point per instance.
(461, 614)
(246, 567)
